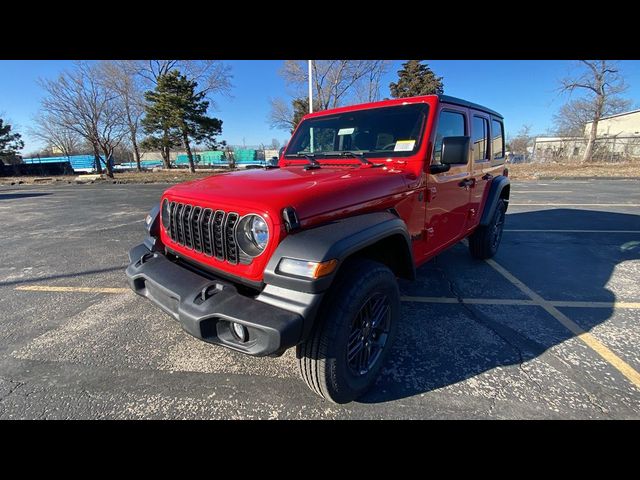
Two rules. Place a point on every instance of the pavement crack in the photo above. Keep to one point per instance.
(483, 322)
(570, 368)
(526, 374)
(15, 386)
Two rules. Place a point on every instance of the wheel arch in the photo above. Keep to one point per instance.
(393, 252)
(500, 189)
(379, 236)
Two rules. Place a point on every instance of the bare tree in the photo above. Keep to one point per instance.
(601, 82)
(368, 90)
(121, 77)
(335, 82)
(281, 114)
(520, 143)
(573, 116)
(79, 101)
(287, 117)
(213, 76)
(55, 135)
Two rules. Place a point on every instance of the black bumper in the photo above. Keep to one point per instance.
(205, 307)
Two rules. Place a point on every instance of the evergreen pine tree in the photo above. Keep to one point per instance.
(416, 78)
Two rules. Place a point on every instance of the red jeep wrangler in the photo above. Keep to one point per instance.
(307, 254)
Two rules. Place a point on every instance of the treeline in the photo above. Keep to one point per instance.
(132, 105)
(336, 83)
(117, 108)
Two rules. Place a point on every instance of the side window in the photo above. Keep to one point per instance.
(450, 124)
(497, 133)
(480, 138)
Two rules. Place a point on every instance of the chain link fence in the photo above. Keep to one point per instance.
(614, 148)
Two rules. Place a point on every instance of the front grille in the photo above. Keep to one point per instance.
(207, 231)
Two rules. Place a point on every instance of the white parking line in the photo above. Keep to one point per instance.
(575, 204)
(511, 301)
(569, 231)
(470, 301)
(45, 288)
(592, 342)
(542, 191)
(535, 300)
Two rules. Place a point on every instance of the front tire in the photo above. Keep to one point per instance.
(354, 333)
(484, 242)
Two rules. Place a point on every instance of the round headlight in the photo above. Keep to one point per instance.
(252, 235)
(166, 214)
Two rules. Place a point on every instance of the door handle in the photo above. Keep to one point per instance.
(467, 183)
(488, 176)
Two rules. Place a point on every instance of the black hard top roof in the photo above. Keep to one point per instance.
(465, 103)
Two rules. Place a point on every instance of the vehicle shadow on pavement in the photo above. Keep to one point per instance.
(62, 275)
(18, 195)
(442, 344)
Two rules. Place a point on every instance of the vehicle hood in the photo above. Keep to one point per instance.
(310, 192)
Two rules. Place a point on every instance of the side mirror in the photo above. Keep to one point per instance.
(439, 168)
(455, 150)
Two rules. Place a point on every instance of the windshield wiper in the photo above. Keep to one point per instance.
(313, 163)
(349, 153)
(359, 156)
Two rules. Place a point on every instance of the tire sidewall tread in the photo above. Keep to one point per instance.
(322, 357)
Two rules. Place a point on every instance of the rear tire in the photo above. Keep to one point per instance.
(353, 334)
(484, 242)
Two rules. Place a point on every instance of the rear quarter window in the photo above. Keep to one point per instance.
(497, 135)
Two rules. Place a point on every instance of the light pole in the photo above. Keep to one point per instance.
(310, 106)
(310, 87)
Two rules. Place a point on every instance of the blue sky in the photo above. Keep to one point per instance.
(524, 91)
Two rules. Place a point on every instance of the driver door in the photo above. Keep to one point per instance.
(447, 193)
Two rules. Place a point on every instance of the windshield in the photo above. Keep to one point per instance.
(376, 132)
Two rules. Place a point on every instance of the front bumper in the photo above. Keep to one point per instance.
(205, 307)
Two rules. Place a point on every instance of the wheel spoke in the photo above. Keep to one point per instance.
(381, 314)
(369, 332)
(375, 310)
(364, 359)
(355, 350)
(355, 335)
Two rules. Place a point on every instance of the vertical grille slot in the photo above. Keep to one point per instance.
(186, 226)
(196, 232)
(216, 229)
(172, 223)
(178, 221)
(231, 246)
(207, 239)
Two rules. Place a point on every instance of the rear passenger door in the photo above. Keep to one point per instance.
(480, 165)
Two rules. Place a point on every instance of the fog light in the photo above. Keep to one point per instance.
(240, 331)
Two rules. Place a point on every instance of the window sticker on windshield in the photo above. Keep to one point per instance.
(404, 145)
(346, 131)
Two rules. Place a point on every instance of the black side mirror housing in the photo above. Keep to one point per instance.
(439, 168)
(455, 150)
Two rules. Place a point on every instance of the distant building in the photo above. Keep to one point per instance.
(551, 148)
(622, 125)
(618, 137)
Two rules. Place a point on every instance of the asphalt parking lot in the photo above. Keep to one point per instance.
(549, 329)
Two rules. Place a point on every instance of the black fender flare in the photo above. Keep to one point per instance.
(152, 227)
(498, 184)
(337, 239)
